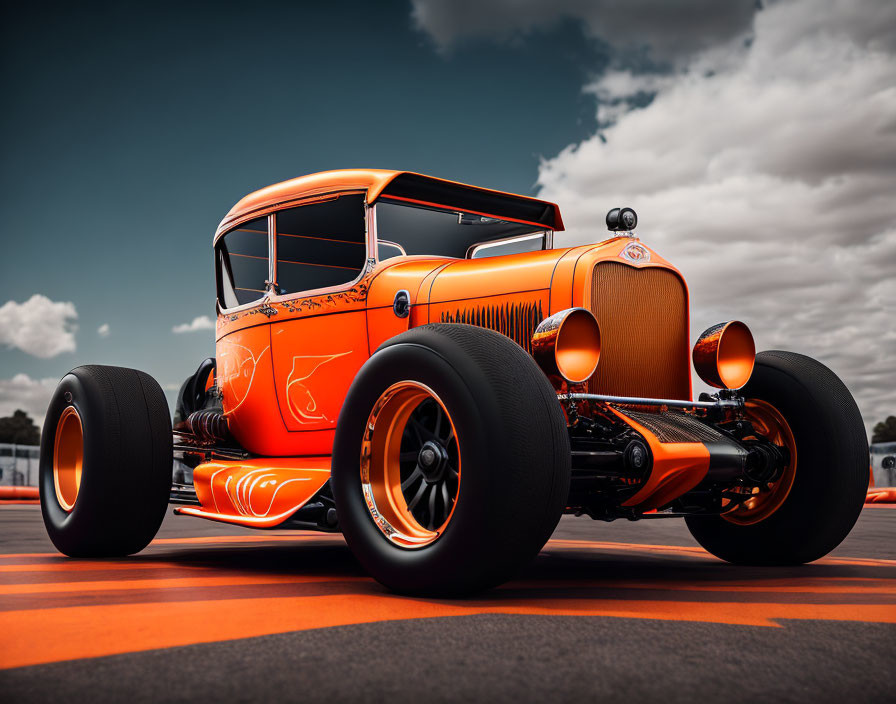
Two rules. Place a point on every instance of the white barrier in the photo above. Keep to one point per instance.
(18, 464)
(882, 477)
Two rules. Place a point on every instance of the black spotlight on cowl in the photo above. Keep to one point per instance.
(622, 220)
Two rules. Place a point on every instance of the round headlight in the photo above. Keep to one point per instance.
(567, 344)
(724, 355)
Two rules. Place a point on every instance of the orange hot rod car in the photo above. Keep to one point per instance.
(412, 362)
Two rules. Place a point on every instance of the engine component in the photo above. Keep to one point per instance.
(636, 458)
(765, 461)
(193, 392)
(208, 427)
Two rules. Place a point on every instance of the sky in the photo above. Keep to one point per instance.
(756, 141)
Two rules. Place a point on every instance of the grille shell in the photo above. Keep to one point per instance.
(643, 316)
(672, 426)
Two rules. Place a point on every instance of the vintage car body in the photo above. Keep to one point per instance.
(411, 361)
(286, 363)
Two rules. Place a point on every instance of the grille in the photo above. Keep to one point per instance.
(515, 320)
(643, 316)
(674, 427)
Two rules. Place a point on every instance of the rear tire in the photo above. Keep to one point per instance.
(105, 493)
(831, 474)
(192, 395)
(514, 460)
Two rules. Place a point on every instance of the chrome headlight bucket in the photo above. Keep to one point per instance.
(567, 344)
(724, 355)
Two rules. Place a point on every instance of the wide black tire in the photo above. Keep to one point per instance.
(127, 459)
(514, 452)
(831, 476)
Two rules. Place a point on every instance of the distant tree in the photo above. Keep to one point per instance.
(20, 429)
(885, 431)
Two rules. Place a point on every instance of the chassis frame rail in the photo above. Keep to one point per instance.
(643, 401)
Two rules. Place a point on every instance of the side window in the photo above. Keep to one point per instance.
(388, 250)
(514, 245)
(242, 263)
(321, 245)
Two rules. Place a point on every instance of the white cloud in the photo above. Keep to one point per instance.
(200, 322)
(669, 30)
(39, 326)
(103, 330)
(30, 395)
(765, 172)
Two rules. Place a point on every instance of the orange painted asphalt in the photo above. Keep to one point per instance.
(201, 590)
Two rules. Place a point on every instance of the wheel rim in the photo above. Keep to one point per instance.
(410, 465)
(68, 458)
(763, 502)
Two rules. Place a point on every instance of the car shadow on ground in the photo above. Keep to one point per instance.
(559, 572)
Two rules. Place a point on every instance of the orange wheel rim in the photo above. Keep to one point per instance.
(68, 458)
(410, 465)
(764, 501)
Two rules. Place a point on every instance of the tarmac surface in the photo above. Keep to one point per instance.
(607, 612)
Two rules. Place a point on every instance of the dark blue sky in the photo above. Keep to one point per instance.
(128, 132)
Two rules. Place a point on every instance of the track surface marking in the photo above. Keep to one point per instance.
(224, 611)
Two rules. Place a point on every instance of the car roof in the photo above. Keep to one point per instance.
(401, 185)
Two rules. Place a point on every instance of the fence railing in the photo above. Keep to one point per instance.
(883, 476)
(18, 464)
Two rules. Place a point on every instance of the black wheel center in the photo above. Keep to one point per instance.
(432, 460)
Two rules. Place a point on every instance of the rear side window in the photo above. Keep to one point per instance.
(242, 263)
(321, 245)
(514, 245)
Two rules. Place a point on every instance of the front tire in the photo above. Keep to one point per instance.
(491, 489)
(818, 505)
(105, 462)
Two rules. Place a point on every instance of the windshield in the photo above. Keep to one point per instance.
(449, 233)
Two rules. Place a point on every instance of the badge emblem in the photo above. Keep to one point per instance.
(635, 252)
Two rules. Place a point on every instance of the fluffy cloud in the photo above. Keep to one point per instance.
(30, 395)
(103, 330)
(200, 322)
(766, 172)
(39, 326)
(667, 30)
